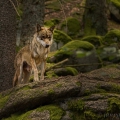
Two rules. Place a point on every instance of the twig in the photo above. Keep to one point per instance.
(61, 62)
(14, 8)
(63, 13)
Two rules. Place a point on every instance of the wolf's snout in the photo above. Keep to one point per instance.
(47, 46)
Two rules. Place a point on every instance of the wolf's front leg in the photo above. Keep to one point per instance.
(34, 66)
(43, 65)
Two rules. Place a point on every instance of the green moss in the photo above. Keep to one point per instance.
(51, 22)
(95, 40)
(51, 92)
(51, 74)
(19, 116)
(56, 112)
(58, 85)
(73, 26)
(60, 36)
(31, 78)
(71, 71)
(70, 47)
(89, 115)
(89, 29)
(76, 105)
(112, 36)
(78, 83)
(115, 88)
(3, 100)
(113, 105)
(116, 3)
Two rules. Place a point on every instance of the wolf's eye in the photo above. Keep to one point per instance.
(49, 37)
(43, 37)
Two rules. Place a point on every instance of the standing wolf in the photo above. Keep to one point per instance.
(32, 55)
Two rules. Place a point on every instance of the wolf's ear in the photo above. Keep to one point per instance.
(38, 28)
(52, 28)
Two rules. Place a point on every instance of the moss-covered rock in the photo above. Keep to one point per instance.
(113, 36)
(65, 71)
(3, 100)
(79, 53)
(114, 105)
(51, 22)
(71, 26)
(60, 36)
(47, 112)
(76, 105)
(51, 74)
(69, 48)
(89, 115)
(95, 40)
(71, 71)
(116, 3)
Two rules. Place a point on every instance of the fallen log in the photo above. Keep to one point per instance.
(29, 96)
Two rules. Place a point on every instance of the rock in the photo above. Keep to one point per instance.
(81, 54)
(71, 26)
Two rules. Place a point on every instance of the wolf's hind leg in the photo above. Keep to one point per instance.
(21, 74)
(26, 76)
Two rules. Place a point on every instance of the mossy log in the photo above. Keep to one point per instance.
(28, 96)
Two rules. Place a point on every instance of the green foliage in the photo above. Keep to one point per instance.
(113, 105)
(76, 105)
(71, 71)
(60, 36)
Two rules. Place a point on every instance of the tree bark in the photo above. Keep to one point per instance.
(7, 43)
(33, 13)
(94, 19)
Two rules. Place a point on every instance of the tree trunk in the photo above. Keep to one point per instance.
(33, 13)
(7, 43)
(94, 19)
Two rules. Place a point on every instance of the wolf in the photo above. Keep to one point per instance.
(33, 55)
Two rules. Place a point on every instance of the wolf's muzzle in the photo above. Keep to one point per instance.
(47, 46)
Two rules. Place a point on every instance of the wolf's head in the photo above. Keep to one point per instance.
(45, 35)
